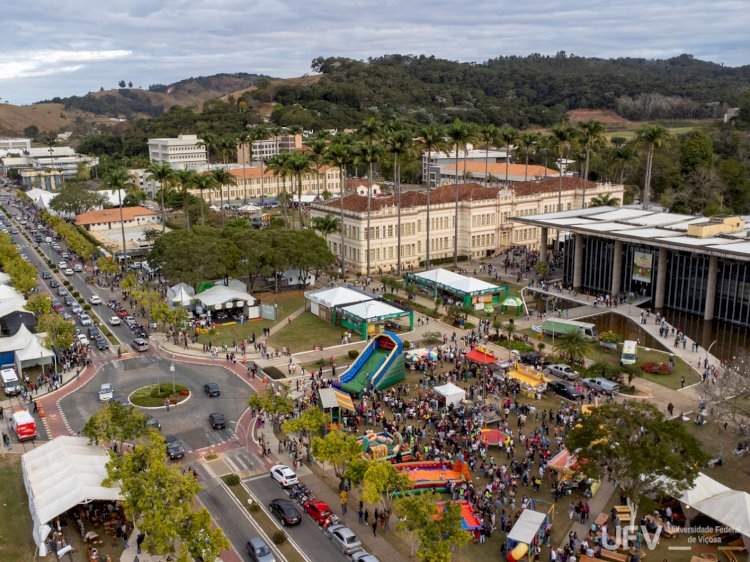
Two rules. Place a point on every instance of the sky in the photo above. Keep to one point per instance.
(60, 48)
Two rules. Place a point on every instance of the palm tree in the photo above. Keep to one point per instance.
(298, 165)
(562, 137)
(277, 165)
(368, 153)
(223, 177)
(591, 134)
(574, 345)
(604, 200)
(398, 143)
(210, 142)
(204, 182)
(509, 136)
(651, 137)
(165, 175)
(258, 133)
(186, 179)
(460, 134)
(489, 135)
(433, 138)
(326, 225)
(119, 180)
(623, 156)
(527, 143)
(339, 154)
(245, 138)
(318, 149)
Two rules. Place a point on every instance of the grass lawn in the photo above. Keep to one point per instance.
(288, 302)
(305, 332)
(153, 396)
(339, 361)
(16, 542)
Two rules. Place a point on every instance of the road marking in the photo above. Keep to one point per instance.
(252, 479)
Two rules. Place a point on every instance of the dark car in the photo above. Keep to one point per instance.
(175, 450)
(212, 389)
(120, 400)
(54, 284)
(46, 275)
(564, 389)
(285, 511)
(92, 332)
(152, 422)
(69, 301)
(534, 358)
(217, 420)
(101, 344)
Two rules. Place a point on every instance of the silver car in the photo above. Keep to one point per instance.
(259, 551)
(345, 540)
(563, 371)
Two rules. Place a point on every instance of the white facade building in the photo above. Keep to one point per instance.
(439, 159)
(181, 153)
(17, 145)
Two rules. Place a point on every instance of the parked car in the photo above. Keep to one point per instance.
(121, 312)
(259, 551)
(57, 307)
(345, 540)
(77, 310)
(78, 268)
(62, 291)
(68, 271)
(152, 422)
(106, 391)
(284, 475)
(217, 420)
(565, 389)
(533, 358)
(363, 556)
(175, 450)
(140, 344)
(92, 332)
(102, 344)
(121, 400)
(602, 384)
(63, 265)
(320, 511)
(85, 320)
(82, 339)
(563, 371)
(54, 283)
(46, 275)
(212, 389)
(95, 299)
(69, 301)
(114, 321)
(285, 511)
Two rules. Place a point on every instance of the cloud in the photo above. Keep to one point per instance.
(161, 41)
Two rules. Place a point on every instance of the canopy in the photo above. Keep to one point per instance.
(513, 301)
(182, 297)
(4, 278)
(527, 526)
(453, 394)
(456, 282)
(8, 292)
(35, 353)
(248, 209)
(344, 400)
(373, 310)
(703, 488)
(563, 462)
(337, 296)
(180, 287)
(479, 355)
(219, 297)
(333, 398)
(61, 474)
(421, 353)
(18, 341)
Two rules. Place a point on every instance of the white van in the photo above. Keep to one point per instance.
(629, 351)
(11, 385)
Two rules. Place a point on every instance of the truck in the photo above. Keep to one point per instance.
(11, 386)
(561, 327)
(24, 426)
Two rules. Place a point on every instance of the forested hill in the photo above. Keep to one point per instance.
(128, 101)
(520, 91)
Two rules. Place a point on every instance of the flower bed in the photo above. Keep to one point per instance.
(656, 368)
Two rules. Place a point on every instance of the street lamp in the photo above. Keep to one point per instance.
(171, 370)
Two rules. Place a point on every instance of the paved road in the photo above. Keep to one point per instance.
(188, 421)
(307, 535)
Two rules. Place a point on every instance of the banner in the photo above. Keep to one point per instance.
(642, 265)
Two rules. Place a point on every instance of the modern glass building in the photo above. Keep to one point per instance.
(693, 264)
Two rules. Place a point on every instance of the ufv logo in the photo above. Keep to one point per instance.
(625, 535)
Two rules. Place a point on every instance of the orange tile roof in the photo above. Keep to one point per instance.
(113, 215)
(497, 169)
(254, 172)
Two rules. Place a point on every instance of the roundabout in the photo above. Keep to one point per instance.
(157, 396)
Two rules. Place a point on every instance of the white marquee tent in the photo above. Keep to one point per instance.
(35, 353)
(456, 281)
(323, 301)
(527, 526)
(373, 310)
(60, 475)
(453, 394)
(4, 278)
(18, 341)
(220, 297)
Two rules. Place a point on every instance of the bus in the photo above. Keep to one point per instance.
(560, 327)
(629, 351)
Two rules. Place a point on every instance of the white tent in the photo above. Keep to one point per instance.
(704, 487)
(455, 281)
(527, 526)
(333, 297)
(18, 341)
(371, 310)
(8, 292)
(61, 474)
(453, 394)
(220, 297)
(183, 298)
(41, 198)
(249, 209)
(4, 278)
(35, 353)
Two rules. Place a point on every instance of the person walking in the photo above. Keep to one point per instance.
(375, 527)
(360, 513)
(139, 542)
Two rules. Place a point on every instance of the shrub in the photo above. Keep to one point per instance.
(656, 368)
(514, 344)
(406, 344)
(232, 479)
(278, 537)
(469, 326)
(76, 294)
(86, 306)
(353, 354)
(609, 337)
(254, 507)
(274, 373)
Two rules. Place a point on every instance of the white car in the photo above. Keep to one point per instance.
(114, 321)
(85, 320)
(77, 310)
(63, 265)
(24, 257)
(78, 267)
(106, 392)
(95, 299)
(83, 340)
(68, 271)
(284, 475)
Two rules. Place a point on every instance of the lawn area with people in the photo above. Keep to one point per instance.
(306, 332)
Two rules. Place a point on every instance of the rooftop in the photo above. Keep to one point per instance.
(497, 169)
(113, 215)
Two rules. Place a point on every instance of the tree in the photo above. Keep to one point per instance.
(433, 138)
(574, 345)
(186, 179)
(489, 135)
(311, 421)
(563, 136)
(367, 153)
(591, 134)
(542, 269)
(696, 151)
(166, 177)
(205, 182)
(273, 403)
(39, 304)
(527, 143)
(436, 529)
(398, 143)
(115, 422)
(60, 332)
(645, 451)
(119, 180)
(278, 166)
(326, 225)
(380, 484)
(299, 164)
(727, 400)
(508, 135)
(32, 131)
(121, 83)
(460, 134)
(75, 199)
(339, 154)
(650, 137)
(604, 200)
(336, 448)
(318, 148)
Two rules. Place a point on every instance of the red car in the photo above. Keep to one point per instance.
(122, 313)
(57, 307)
(318, 510)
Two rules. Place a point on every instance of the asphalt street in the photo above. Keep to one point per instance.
(189, 420)
(307, 535)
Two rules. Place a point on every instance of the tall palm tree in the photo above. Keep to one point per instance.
(623, 156)
(299, 164)
(605, 200)
(245, 138)
(210, 142)
(563, 136)
(591, 135)
(277, 165)
(223, 177)
(650, 137)
(508, 135)
(326, 225)
(460, 134)
(398, 143)
(318, 149)
(339, 154)
(489, 135)
(165, 175)
(367, 153)
(259, 133)
(527, 143)
(186, 179)
(119, 180)
(204, 182)
(433, 138)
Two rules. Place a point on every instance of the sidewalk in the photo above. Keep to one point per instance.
(597, 504)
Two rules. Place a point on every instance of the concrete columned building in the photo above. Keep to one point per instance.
(181, 153)
(266, 148)
(691, 264)
(484, 220)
